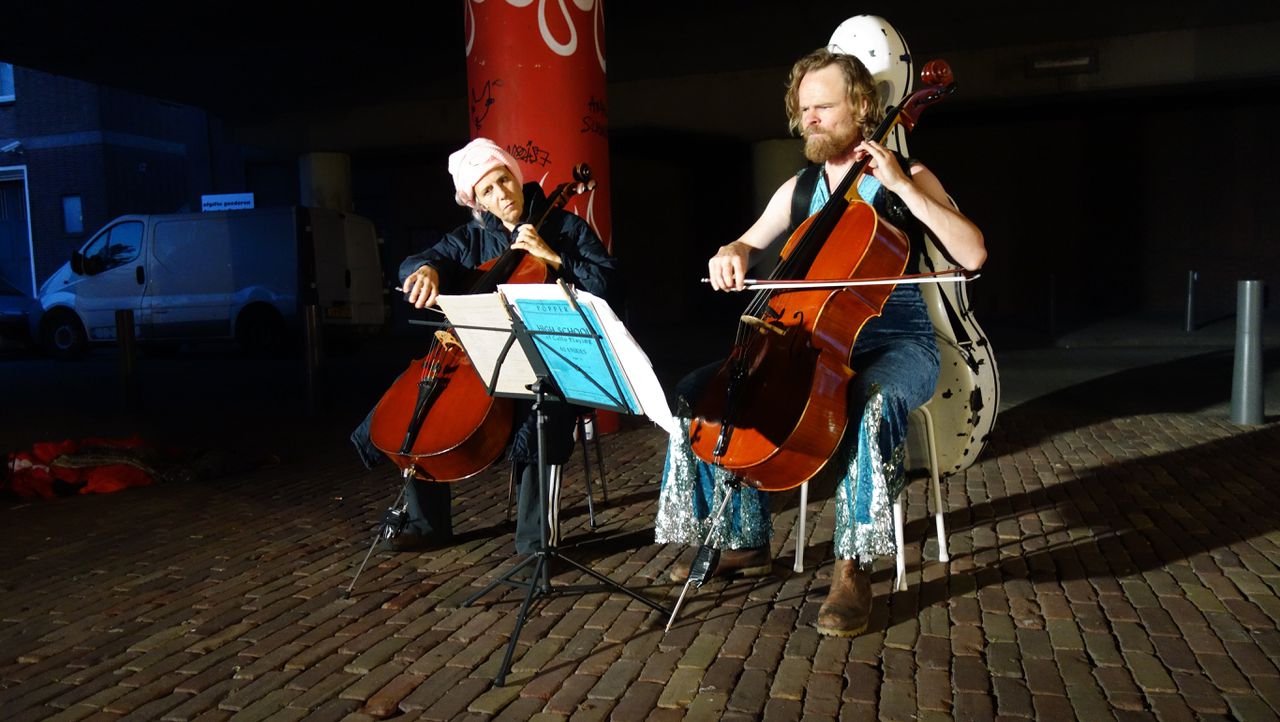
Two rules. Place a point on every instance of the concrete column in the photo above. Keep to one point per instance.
(325, 180)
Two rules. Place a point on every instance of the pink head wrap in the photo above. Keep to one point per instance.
(469, 165)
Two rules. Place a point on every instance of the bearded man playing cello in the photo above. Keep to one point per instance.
(831, 101)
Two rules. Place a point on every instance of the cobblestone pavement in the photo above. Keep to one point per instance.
(1114, 564)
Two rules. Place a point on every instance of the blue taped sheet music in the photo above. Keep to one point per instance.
(578, 366)
(584, 369)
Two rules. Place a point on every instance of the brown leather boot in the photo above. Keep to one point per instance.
(752, 562)
(847, 609)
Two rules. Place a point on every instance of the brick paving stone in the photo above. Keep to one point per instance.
(722, 675)
(1075, 668)
(933, 690)
(1227, 627)
(1170, 708)
(802, 642)
(1043, 677)
(1118, 686)
(637, 703)
(1034, 644)
(702, 652)
(1224, 673)
(1088, 703)
(135, 698)
(934, 652)
(858, 712)
(199, 703)
(998, 627)
(447, 706)
(659, 665)
(824, 686)
(616, 680)
(1149, 673)
(831, 655)
(386, 701)
(1249, 707)
(898, 700)
(862, 683)
(751, 693)
(898, 665)
(1133, 638)
(1102, 649)
(790, 680)
(1012, 698)
(681, 689)
(1052, 707)
(782, 710)
(489, 703)
(1157, 621)
(970, 675)
(708, 707)
(965, 610)
(1175, 654)
(1249, 614)
(1200, 693)
(967, 640)
(1004, 659)
(973, 707)
(766, 654)
(739, 642)
(1118, 608)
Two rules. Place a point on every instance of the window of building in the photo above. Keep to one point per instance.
(6, 82)
(72, 218)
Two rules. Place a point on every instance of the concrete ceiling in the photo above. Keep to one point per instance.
(269, 73)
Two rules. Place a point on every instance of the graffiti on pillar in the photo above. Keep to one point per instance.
(530, 153)
(565, 45)
(482, 101)
(597, 118)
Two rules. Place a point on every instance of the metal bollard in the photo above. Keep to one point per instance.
(311, 352)
(1246, 381)
(128, 357)
(1190, 324)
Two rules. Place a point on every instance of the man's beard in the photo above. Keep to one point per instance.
(822, 147)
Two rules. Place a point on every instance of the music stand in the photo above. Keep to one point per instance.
(555, 370)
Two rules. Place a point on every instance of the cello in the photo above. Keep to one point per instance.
(774, 413)
(437, 419)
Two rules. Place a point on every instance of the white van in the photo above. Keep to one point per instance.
(240, 275)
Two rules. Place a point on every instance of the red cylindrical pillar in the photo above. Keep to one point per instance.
(536, 83)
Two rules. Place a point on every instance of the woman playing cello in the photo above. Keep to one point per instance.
(489, 182)
(832, 102)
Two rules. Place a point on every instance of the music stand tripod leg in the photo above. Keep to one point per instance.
(392, 517)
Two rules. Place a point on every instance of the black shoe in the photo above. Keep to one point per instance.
(409, 541)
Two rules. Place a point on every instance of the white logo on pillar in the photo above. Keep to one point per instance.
(564, 49)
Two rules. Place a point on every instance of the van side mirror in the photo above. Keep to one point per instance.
(77, 262)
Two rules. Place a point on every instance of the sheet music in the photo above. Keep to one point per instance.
(545, 307)
(484, 346)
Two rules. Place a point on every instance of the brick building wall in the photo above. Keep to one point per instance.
(120, 152)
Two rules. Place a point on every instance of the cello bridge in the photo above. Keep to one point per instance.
(761, 325)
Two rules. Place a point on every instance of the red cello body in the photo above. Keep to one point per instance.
(438, 417)
(776, 410)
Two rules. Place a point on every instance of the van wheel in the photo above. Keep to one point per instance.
(63, 335)
(260, 331)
